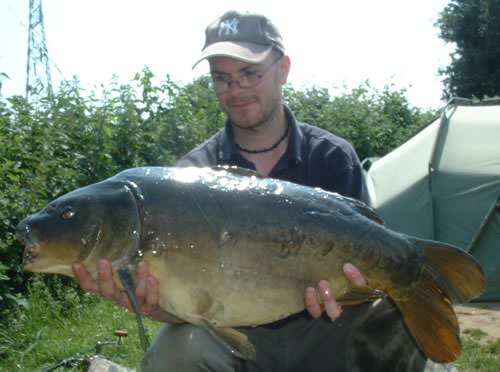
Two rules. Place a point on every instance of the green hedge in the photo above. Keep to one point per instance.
(77, 137)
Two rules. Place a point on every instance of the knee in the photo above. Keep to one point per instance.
(172, 349)
(181, 347)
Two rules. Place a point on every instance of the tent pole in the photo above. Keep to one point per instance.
(495, 208)
(446, 115)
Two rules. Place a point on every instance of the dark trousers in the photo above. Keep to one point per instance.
(367, 337)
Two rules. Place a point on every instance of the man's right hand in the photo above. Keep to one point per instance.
(147, 289)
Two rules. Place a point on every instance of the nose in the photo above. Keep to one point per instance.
(234, 87)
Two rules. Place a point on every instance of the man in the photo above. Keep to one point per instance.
(249, 67)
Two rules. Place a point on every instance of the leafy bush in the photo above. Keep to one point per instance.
(374, 122)
(75, 138)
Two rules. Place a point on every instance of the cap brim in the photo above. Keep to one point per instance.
(245, 52)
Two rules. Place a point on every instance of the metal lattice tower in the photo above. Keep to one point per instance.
(38, 78)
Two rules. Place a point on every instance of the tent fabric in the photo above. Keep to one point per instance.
(444, 184)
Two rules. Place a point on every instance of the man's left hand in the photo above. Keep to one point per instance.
(325, 293)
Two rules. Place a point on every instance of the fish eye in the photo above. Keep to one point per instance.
(68, 214)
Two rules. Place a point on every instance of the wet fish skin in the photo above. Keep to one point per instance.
(232, 249)
(80, 227)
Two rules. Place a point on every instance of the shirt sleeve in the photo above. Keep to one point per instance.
(352, 183)
(345, 174)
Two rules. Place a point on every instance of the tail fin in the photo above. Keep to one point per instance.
(456, 271)
(448, 274)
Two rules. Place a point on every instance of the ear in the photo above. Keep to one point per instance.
(284, 68)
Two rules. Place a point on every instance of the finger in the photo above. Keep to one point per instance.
(311, 302)
(85, 280)
(141, 286)
(353, 275)
(147, 289)
(331, 306)
(151, 301)
(107, 287)
(153, 291)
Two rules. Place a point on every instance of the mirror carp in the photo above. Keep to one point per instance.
(233, 249)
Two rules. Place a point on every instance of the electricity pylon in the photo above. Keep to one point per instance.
(38, 79)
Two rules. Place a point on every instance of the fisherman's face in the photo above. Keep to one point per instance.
(250, 94)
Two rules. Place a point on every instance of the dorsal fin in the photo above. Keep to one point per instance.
(238, 171)
(363, 209)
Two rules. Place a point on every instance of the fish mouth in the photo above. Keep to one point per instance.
(30, 254)
(32, 248)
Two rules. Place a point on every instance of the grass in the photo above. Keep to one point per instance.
(50, 327)
(478, 354)
(48, 330)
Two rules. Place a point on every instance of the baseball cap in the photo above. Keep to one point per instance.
(247, 37)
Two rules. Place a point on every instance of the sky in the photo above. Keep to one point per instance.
(333, 44)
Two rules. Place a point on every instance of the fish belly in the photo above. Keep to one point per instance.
(225, 294)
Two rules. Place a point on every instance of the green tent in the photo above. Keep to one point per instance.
(444, 184)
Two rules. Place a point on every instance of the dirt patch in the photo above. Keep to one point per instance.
(480, 315)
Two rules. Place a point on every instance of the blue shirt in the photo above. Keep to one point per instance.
(314, 157)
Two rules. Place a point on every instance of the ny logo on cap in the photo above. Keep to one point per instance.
(229, 27)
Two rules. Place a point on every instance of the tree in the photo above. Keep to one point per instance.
(474, 27)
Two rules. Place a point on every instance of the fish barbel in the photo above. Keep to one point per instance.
(233, 249)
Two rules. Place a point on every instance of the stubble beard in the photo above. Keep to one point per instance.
(263, 119)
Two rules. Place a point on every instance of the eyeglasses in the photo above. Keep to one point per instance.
(247, 79)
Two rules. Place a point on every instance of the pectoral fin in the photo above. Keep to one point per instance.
(128, 283)
(237, 342)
